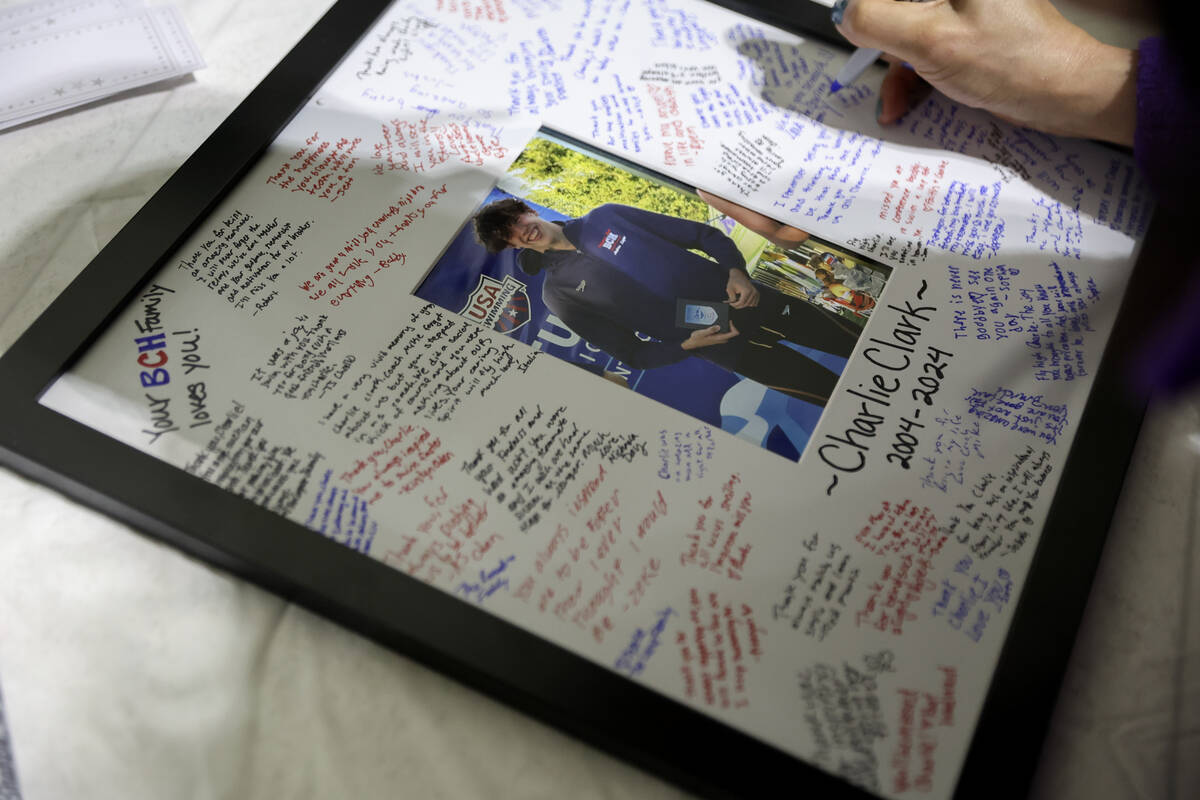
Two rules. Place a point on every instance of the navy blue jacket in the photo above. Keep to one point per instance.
(627, 270)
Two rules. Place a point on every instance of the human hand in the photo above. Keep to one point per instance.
(615, 377)
(777, 233)
(1020, 59)
(706, 337)
(740, 291)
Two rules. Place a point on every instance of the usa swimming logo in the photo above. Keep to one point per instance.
(612, 241)
(501, 305)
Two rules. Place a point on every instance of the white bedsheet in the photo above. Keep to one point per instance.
(131, 671)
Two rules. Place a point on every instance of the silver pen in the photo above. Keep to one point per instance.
(862, 58)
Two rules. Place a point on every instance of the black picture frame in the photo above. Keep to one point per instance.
(454, 637)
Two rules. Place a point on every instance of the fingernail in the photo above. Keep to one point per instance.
(839, 9)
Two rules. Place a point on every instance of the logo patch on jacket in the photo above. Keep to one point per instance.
(500, 305)
(612, 241)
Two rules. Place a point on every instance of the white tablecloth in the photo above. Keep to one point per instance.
(130, 671)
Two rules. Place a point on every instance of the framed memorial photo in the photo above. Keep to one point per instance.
(422, 338)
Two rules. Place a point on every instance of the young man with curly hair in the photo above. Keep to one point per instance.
(617, 272)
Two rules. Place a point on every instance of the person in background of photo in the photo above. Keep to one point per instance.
(837, 292)
(855, 277)
(615, 274)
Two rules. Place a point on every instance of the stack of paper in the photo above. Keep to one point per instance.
(58, 54)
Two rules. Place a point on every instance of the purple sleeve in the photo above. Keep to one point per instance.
(689, 234)
(1168, 116)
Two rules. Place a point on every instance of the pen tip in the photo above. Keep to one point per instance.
(833, 87)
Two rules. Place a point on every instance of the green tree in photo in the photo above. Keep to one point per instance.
(573, 183)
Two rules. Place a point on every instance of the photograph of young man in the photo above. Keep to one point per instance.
(617, 271)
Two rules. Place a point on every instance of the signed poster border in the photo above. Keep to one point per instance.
(532, 674)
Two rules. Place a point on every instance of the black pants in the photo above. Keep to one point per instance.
(758, 354)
